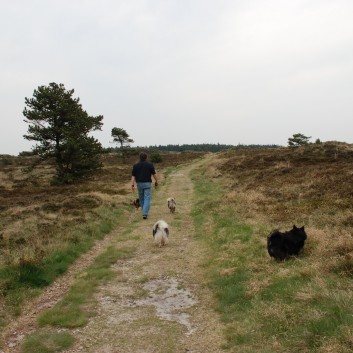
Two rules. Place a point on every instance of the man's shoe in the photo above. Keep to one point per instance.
(144, 217)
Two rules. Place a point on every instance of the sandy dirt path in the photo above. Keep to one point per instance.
(158, 302)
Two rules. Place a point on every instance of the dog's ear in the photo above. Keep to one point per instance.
(294, 226)
(167, 231)
(302, 228)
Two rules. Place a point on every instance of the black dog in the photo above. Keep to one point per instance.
(136, 204)
(282, 245)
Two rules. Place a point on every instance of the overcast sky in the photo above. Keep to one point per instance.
(184, 71)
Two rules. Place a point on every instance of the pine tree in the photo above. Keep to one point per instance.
(298, 140)
(60, 128)
(122, 137)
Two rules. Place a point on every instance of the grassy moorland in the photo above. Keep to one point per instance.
(44, 228)
(304, 304)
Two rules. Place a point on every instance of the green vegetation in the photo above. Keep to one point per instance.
(121, 137)
(156, 157)
(47, 342)
(73, 310)
(69, 312)
(185, 148)
(298, 140)
(301, 305)
(203, 147)
(6, 161)
(60, 127)
(24, 279)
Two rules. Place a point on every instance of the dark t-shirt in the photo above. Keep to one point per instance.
(142, 171)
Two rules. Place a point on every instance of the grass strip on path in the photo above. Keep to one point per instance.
(71, 311)
(47, 342)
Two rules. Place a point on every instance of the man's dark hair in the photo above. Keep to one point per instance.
(143, 156)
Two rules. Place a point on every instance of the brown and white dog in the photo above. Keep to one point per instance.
(171, 204)
(160, 233)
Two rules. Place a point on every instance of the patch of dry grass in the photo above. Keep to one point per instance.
(309, 186)
(303, 304)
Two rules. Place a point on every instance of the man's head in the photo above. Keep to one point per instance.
(143, 156)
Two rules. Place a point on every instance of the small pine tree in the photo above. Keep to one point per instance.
(298, 140)
(122, 137)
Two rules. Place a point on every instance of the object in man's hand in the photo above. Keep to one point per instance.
(136, 203)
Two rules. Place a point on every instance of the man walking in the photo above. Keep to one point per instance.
(142, 173)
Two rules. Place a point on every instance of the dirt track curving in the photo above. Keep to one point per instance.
(159, 300)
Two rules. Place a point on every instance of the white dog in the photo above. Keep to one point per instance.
(160, 233)
(171, 204)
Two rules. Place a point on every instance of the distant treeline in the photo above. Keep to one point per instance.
(204, 147)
